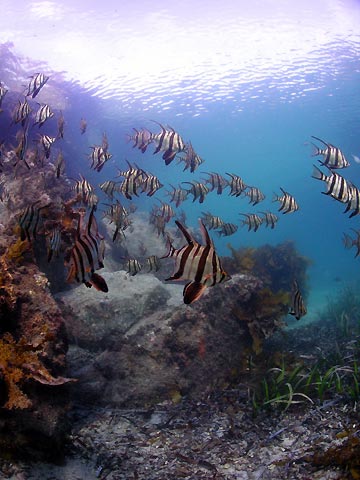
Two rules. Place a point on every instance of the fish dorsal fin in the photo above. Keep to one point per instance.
(92, 228)
(205, 233)
(186, 234)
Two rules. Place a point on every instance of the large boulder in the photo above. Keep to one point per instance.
(139, 344)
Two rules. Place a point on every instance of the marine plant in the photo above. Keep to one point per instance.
(262, 314)
(277, 266)
(20, 362)
(15, 252)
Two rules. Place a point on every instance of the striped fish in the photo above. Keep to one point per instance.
(192, 160)
(337, 186)
(20, 150)
(149, 184)
(3, 92)
(297, 307)
(198, 190)
(287, 201)
(133, 266)
(35, 85)
(252, 220)
(211, 221)
(153, 263)
(99, 156)
(198, 263)
(333, 156)
(87, 255)
(44, 112)
(21, 112)
(29, 220)
(53, 242)
(255, 195)
(237, 185)
(84, 190)
(350, 242)
(227, 229)
(270, 219)
(216, 181)
(178, 195)
(118, 215)
(354, 202)
(169, 142)
(141, 139)
(46, 142)
(109, 187)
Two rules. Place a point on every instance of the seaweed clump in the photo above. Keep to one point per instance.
(276, 266)
(20, 361)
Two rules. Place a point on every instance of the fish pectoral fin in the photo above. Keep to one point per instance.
(193, 291)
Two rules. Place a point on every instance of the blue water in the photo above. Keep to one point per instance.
(248, 85)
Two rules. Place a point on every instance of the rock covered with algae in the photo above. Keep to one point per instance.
(139, 344)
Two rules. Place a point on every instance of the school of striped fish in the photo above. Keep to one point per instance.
(74, 232)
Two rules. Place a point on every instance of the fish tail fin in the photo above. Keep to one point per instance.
(171, 249)
(193, 291)
(99, 283)
(347, 240)
(317, 173)
(315, 150)
(275, 197)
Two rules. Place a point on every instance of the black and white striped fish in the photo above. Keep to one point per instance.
(354, 202)
(333, 156)
(20, 150)
(29, 220)
(46, 142)
(87, 255)
(216, 181)
(192, 160)
(133, 266)
(270, 219)
(337, 186)
(255, 195)
(21, 112)
(252, 220)
(84, 190)
(43, 113)
(141, 139)
(35, 85)
(169, 142)
(99, 156)
(297, 307)
(118, 215)
(53, 243)
(227, 229)
(178, 195)
(109, 187)
(198, 263)
(149, 184)
(153, 263)
(287, 201)
(237, 185)
(198, 190)
(211, 221)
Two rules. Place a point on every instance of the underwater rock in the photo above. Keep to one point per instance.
(139, 345)
(95, 320)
